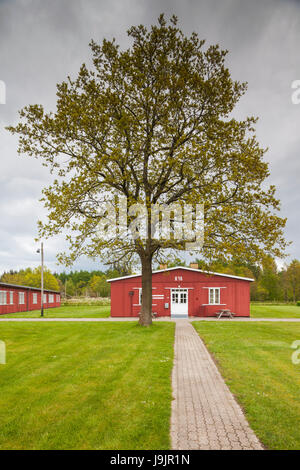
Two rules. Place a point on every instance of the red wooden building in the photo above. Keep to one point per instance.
(182, 292)
(22, 298)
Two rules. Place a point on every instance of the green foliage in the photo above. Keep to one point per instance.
(293, 278)
(154, 123)
(298, 303)
(172, 264)
(99, 286)
(74, 284)
(31, 277)
(89, 283)
(270, 283)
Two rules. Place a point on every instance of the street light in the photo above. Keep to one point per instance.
(41, 250)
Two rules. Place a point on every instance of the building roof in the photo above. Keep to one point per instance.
(187, 269)
(5, 284)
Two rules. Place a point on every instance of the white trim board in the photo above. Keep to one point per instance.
(214, 287)
(214, 305)
(180, 287)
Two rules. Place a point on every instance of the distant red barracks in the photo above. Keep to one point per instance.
(23, 298)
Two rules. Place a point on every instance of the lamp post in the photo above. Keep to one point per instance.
(41, 250)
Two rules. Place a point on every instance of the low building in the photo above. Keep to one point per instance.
(15, 298)
(182, 292)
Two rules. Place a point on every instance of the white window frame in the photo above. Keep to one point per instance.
(34, 298)
(3, 297)
(57, 298)
(21, 298)
(214, 290)
(45, 299)
(11, 297)
(51, 298)
(139, 289)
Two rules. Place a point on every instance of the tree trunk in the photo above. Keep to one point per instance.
(146, 311)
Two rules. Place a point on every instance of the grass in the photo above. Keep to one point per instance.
(66, 311)
(274, 311)
(86, 386)
(255, 360)
(258, 310)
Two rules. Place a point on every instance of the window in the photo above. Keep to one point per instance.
(3, 297)
(140, 296)
(214, 295)
(11, 297)
(21, 298)
(183, 297)
(57, 298)
(179, 296)
(45, 298)
(175, 297)
(51, 298)
(34, 298)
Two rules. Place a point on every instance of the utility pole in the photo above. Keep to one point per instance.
(41, 250)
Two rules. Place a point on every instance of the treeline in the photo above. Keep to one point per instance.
(90, 283)
(73, 284)
(31, 277)
(87, 283)
(271, 283)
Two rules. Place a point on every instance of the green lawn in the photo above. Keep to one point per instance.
(255, 360)
(274, 311)
(86, 386)
(103, 311)
(66, 311)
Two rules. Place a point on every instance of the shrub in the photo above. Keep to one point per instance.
(298, 303)
(87, 301)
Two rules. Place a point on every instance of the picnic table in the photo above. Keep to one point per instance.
(224, 312)
(154, 314)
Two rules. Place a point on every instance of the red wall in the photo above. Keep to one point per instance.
(28, 305)
(235, 293)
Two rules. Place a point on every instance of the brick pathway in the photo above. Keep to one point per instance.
(205, 414)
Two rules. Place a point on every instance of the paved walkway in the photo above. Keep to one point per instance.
(205, 414)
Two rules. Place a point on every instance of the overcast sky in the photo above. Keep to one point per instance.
(42, 42)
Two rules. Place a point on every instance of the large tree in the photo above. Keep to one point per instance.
(153, 123)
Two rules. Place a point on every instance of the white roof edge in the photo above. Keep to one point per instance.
(187, 269)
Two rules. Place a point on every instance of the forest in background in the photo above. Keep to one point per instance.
(271, 283)
(73, 284)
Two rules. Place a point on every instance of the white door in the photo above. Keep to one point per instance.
(179, 303)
